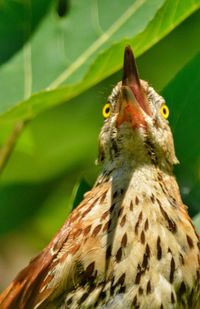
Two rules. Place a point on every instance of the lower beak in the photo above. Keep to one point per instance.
(129, 109)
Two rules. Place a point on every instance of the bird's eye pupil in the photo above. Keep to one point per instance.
(164, 111)
(107, 110)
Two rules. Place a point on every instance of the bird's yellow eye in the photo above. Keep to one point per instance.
(164, 111)
(106, 110)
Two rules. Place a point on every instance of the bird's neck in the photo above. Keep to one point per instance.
(142, 179)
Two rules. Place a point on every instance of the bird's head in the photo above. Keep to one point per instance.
(136, 126)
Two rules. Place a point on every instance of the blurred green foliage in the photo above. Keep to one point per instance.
(19, 20)
(59, 61)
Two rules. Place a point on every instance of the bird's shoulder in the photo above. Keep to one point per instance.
(43, 278)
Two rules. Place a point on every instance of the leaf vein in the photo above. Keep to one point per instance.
(98, 43)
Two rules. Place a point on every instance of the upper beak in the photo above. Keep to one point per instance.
(131, 80)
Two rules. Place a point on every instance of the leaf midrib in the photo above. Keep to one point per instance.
(98, 43)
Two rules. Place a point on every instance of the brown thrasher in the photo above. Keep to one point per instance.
(130, 243)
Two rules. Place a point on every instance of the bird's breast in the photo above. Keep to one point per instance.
(131, 245)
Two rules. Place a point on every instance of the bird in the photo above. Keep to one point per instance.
(130, 243)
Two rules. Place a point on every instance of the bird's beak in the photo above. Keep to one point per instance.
(133, 97)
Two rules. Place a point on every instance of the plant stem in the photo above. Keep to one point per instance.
(8, 147)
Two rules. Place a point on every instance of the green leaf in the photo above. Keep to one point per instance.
(183, 97)
(61, 51)
(174, 50)
(18, 20)
(66, 136)
(62, 139)
(168, 18)
(86, 48)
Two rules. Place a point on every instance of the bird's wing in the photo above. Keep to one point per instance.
(22, 292)
(51, 272)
